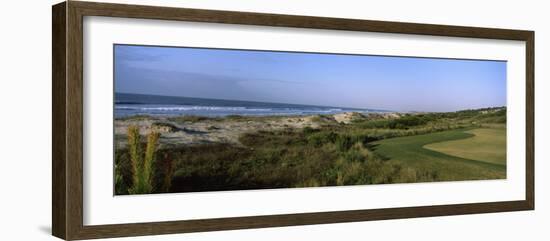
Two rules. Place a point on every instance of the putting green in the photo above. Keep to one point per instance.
(487, 145)
(409, 152)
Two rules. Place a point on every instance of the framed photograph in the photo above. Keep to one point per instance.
(171, 120)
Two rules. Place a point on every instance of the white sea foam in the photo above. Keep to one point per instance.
(190, 108)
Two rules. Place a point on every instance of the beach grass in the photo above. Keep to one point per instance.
(292, 152)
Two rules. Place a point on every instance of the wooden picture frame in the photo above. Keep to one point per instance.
(67, 150)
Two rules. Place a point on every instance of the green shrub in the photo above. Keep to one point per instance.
(142, 165)
(344, 143)
(318, 139)
(168, 168)
(134, 150)
(308, 130)
(354, 155)
(120, 185)
(352, 174)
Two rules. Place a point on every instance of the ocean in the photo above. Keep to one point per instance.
(155, 105)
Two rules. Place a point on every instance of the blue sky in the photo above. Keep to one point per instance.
(359, 81)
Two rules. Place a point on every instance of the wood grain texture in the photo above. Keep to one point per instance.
(67, 78)
(59, 192)
(530, 120)
(122, 230)
(263, 19)
(74, 110)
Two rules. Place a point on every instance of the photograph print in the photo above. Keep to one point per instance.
(205, 119)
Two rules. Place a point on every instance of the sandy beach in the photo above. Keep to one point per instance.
(189, 130)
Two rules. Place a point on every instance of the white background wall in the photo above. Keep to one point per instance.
(25, 119)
